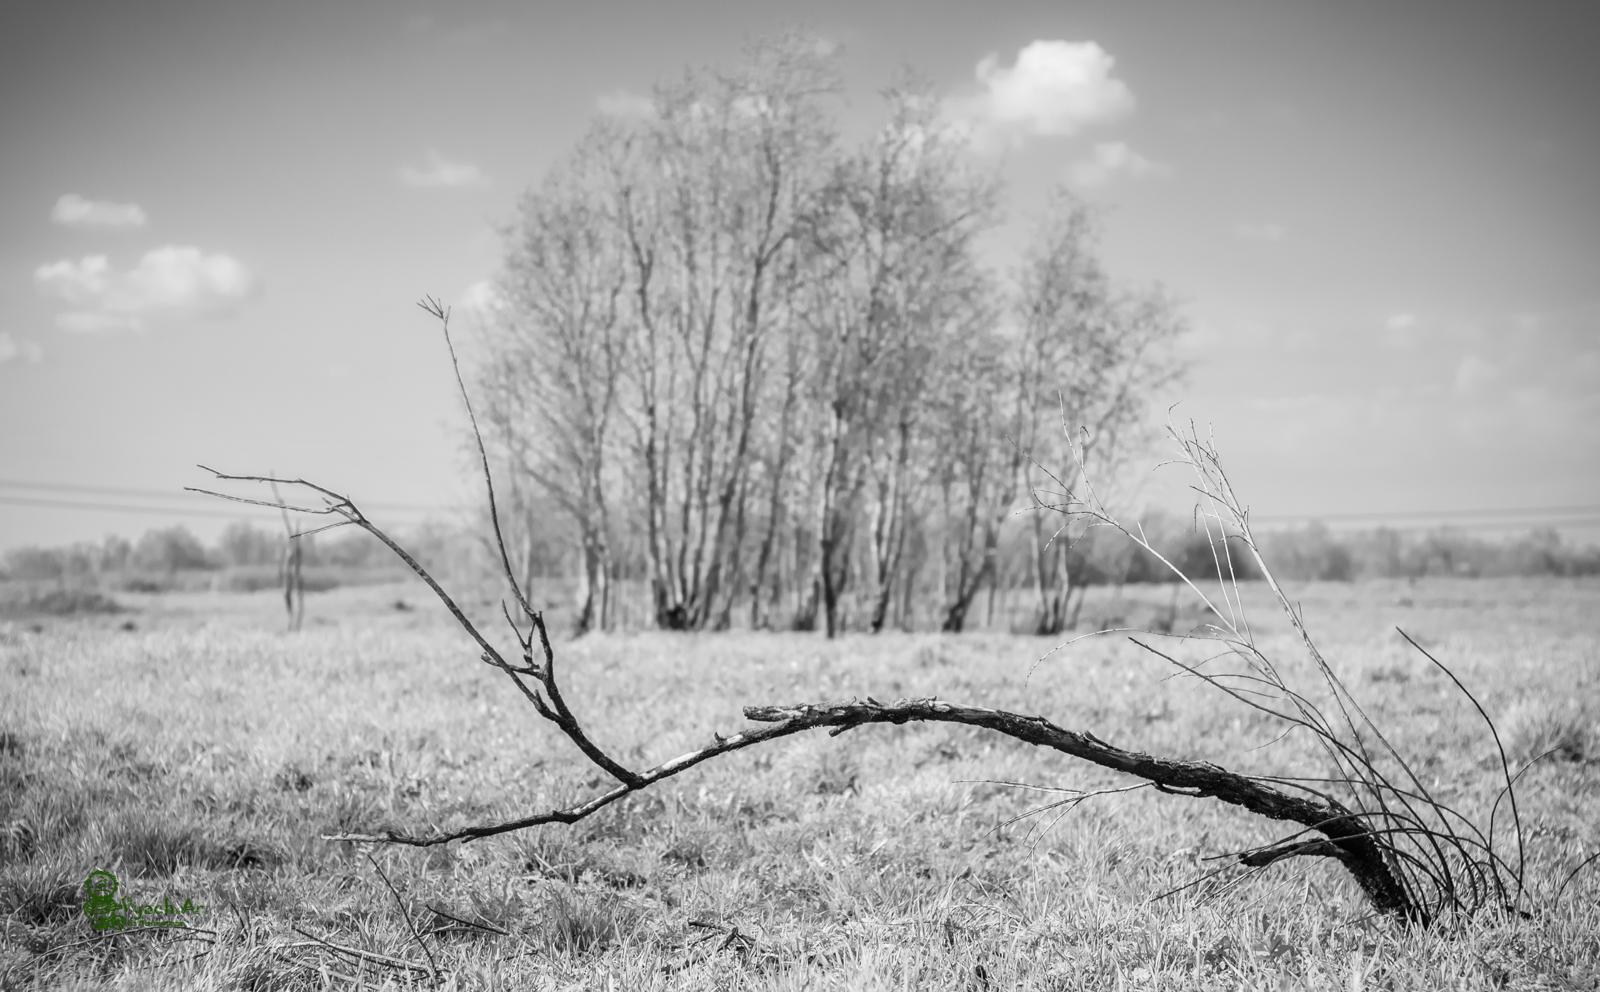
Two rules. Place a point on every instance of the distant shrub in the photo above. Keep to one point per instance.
(1200, 556)
(143, 584)
(56, 601)
(247, 578)
(35, 564)
(170, 550)
(243, 544)
(1315, 552)
(1312, 553)
(254, 578)
(356, 550)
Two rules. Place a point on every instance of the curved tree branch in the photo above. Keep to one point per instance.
(1363, 849)
(1348, 839)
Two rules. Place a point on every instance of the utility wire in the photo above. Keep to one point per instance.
(1526, 511)
(1508, 518)
(244, 509)
(1530, 511)
(165, 493)
(68, 504)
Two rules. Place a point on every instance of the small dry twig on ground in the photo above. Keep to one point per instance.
(410, 924)
(464, 924)
(359, 954)
(1411, 855)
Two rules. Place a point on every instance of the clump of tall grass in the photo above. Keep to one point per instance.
(1551, 730)
(582, 922)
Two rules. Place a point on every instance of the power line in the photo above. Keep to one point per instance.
(165, 493)
(1527, 511)
(246, 509)
(67, 504)
(1530, 511)
(1514, 524)
(1583, 514)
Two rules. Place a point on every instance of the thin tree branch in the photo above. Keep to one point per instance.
(556, 711)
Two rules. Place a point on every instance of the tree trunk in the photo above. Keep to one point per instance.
(775, 508)
(890, 537)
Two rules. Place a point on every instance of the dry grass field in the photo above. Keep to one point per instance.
(197, 751)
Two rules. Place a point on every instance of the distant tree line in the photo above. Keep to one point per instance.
(766, 373)
(245, 558)
(162, 554)
(1315, 552)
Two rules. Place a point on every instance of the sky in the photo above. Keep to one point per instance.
(1382, 220)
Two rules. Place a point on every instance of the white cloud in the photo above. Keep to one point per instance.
(1401, 321)
(1261, 232)
(478, 295)
(442, 173)
(173, 281)
(1113, 159)
(1056, 88)
(1474, 373)
(479, 301)
(76, 211)
(11, 348)
(629, 106)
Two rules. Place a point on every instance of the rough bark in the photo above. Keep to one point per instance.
(1348, 839)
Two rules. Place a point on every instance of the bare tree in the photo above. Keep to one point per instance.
(556, 347)
(1089, 358)
(748, 364)
(978, 472)
(709, 217)
(766, 585)
(898, 273)
(291, 569)
(1076, 352)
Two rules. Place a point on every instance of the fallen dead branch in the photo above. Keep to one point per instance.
(1411, 855)
(1348, 839)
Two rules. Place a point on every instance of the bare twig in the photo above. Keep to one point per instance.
(730, 934)
(556, 710)
(406, 913)
(388, 961)
(1505, 766)
(432, 306)
(487, 928)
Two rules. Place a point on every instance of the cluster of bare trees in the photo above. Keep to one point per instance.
(768, 372)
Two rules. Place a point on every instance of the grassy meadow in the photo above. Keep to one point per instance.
(194, 748)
